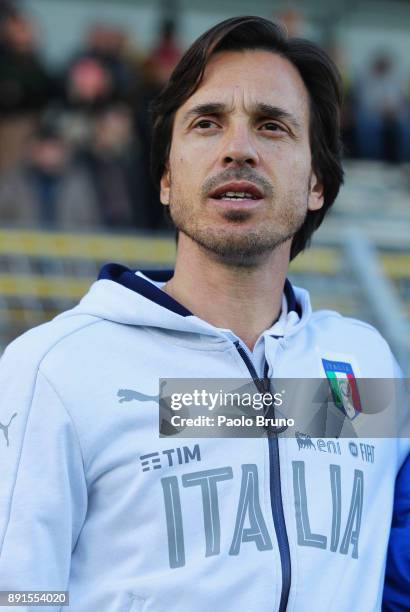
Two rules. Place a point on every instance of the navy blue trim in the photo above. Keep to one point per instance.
(263, 386)
(126, 277)
(279, 520)
(291, 298)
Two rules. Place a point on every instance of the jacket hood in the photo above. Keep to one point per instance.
(134, 297)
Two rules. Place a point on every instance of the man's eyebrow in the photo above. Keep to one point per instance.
(208, 108)
(260, 109)
(275, 112)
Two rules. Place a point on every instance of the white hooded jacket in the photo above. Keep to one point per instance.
(93, 501)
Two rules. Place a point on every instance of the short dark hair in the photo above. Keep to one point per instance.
(320, 76)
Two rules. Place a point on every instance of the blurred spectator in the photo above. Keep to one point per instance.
(109, 44)
(152, 85)
(381, 112)
(112, 159)
(292, 20)
(26, 86)
(48, 189)
(99, 75)
(336, 52)
(101, 72)
(88, 88)
(156, 70)
(166, 52)
(25, 83)
(89, 83)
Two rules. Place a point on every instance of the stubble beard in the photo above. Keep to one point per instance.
(233, 247)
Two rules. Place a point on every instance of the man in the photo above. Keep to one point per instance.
(246, 151)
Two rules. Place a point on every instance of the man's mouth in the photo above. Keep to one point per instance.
(235, 195)
(240, 191)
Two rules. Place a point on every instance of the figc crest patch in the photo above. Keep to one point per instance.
(343, 386)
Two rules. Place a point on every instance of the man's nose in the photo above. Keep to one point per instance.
(239, 148)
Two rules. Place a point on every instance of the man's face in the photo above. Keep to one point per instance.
(239, 180)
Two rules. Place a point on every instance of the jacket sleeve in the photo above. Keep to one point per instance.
(43, 493)
(396, 596)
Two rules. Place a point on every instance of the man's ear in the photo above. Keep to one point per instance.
(316, 196)
(165, 186)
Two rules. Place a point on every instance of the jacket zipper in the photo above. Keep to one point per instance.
(263, 385)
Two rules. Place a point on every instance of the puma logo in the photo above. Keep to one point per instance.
(129, 395)
(5, 428)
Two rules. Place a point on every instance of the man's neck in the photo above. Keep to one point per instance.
(246, 300)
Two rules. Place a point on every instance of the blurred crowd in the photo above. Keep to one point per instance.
(376, 119)
(75, 144)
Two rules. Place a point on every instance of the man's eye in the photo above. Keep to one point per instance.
(204, 124)
(273, 127)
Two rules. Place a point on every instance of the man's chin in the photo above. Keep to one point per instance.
(235, 248)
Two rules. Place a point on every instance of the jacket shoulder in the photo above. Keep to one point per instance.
(352, 337)
(331, 318)
(29, 349)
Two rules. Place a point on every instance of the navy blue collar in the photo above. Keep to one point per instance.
(126, 277)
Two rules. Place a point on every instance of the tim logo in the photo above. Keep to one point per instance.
(170, 457)
(304, 440)
(5, 428)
